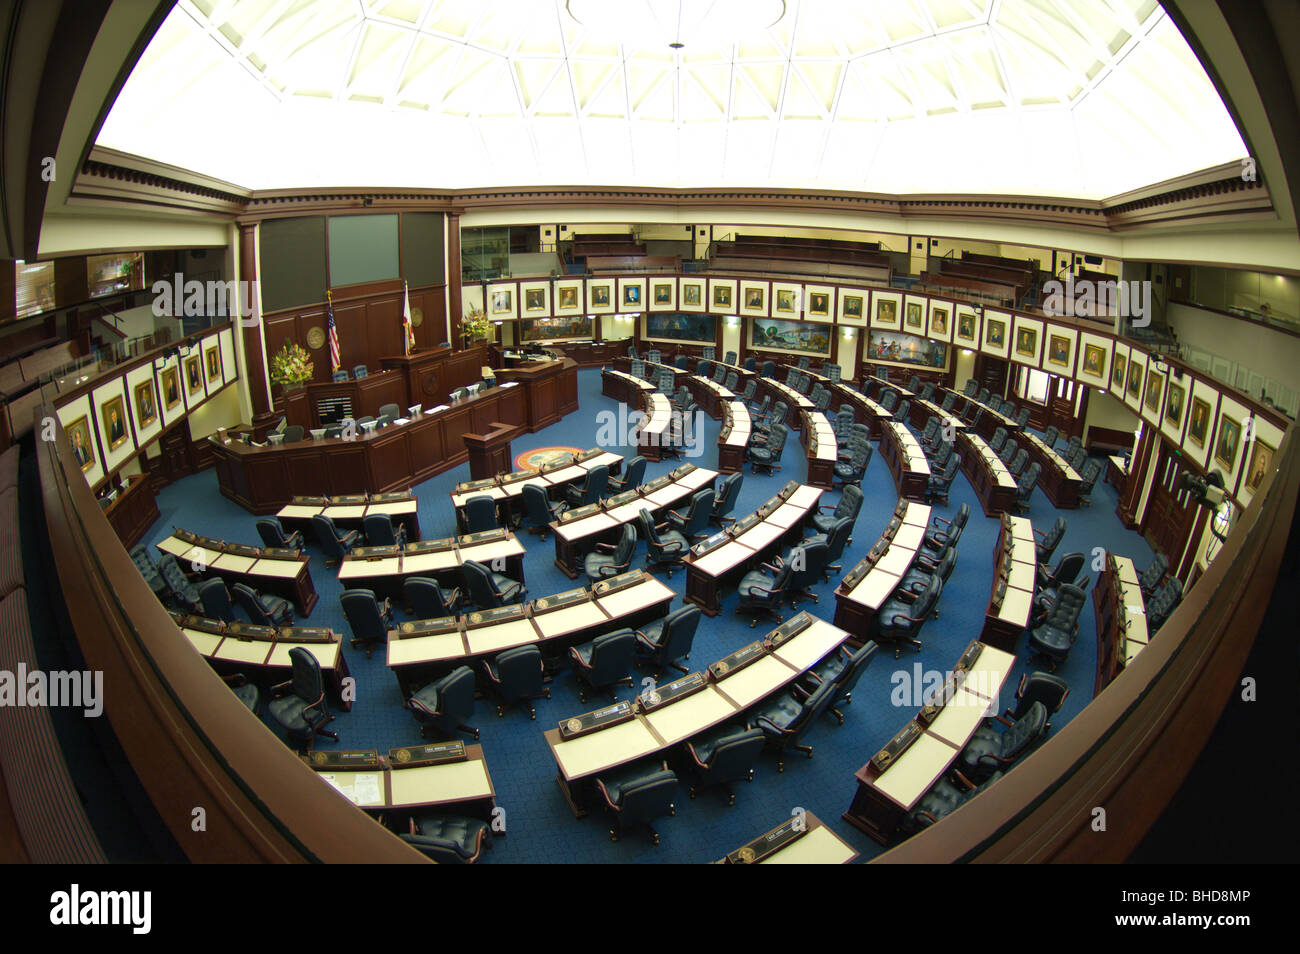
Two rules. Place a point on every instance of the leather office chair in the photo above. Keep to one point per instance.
(488, 589)
(949, 402)
(664, 547)
(983, 396)
(539, 512)
(733, 379)
(293, 433)
(604, 663)
(858, 433)
(428, 600)
(1023, 417)
(679, 362)
(904, 411)
(610, 559)
(786, 718)
(765, 452)
(381, 532)
(331, 539)
(942, 800)
(695, 522)
(184, 594)
(1050, 435)
(303, 713)
(844, 421)
(681, 400)
(836, 540)
(334, 430)
(665, 383)
(360, 372)
(889, 401)
(262, 610)
(633, 476)
(905, 613)
(593, 487)
(751, 363)
(1025, 488)
(670, 637)
(702, 368)
(1164, 602)
(1008, 410)
(1067, 570)
(1088, 480)
(273, 535)
(709, 353)
(216, 600)
(1047, 542)
(341, 375)
(370, 620)
(843, 669)
(730, 358)
(1053, 637)
(916, 579)
(653, 356)
(631, 351)
(1017, 465)
(940, 484)
(751, 387)
(937, 540)
(853, 470)
(927, 433)
(517, 675)
(763, 423)
(637, 794)
(390, 411)
(969, 387)
(245, 691)
(448, 839)
(989, 751)
(480, 514)
(442, 707)
(1149, 579)
(723, 755)
(725, 502)
(927, 391)
(1009, 448)
(719, 374)
(975, 421)
(762, 591)
(998, 439)
(1043, 688)
(769, 370)
(849, 505)
(808, 561)
(149, 570)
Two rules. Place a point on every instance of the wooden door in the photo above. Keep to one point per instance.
(1170, 514)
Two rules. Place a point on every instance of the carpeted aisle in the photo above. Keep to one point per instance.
(539, 826)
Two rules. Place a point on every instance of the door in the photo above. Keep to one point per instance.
(1169, 515)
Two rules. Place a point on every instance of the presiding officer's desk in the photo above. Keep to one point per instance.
(864, 589)
(261, 653)
(673, 713)
(1015, 570)
(802, 840)
(891, 784)
(382, 460)
(420, 651)
(386, 569)
(284, 573)
(434, 775)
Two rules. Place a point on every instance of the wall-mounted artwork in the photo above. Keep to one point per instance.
(566, 297)
(600, 295)
(82, 448)
(550, 329)
(819, 303)
(785, 300)
(1027, 342)
(1094, 359)
(778, 335)
(112, 418)
(631, 294)
(913, 316)
(171, 386)
(663, 292)
(534, 299)
(996, 335)
(902, 348)
(966, 326)
(1225, 445)
(852, 306)
(1155, 385)
(1261, 462)
(146, 404)
(886, 312)
(193, 376)
(670, 326)
(722, 296)
(213, 358)
(1134, 379)
(1058, 350)
(692, 293)
(754, 298)
(1117, 373)
(1199, 425)
(939, 321)
(501, 301)
(1174, 403)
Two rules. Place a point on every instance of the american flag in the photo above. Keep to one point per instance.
(336, 360)
(408, 330)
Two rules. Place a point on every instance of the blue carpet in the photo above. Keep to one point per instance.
(539, 825)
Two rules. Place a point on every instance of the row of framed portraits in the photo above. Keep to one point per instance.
(118, 418)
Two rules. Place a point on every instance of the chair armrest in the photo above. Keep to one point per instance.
(280, 688)
(775, 728)
(690, 750)
(604, 793)
(605, 547)
(573, 653)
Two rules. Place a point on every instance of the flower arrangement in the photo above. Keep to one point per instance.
(291, 366)
(474, 325)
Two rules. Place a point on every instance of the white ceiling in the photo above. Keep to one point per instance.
(1069, 98)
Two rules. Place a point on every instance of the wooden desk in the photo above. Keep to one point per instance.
(401, 508)
(816, 845)
(390, 786)
(906, 460)
(866, 587)
(990, 478)
(820, 447)
(508, 489)
(285, 576)
(134, 511)
(387, 571)
(733, 438)
(653, 732)
(330, 402)
(731, 552)
(1011, 599)
(1122, 630)
(885, 795)
(1057, 479)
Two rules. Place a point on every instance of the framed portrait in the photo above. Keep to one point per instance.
(193, 379)
(913, 315)
(1199, 425)
(1094, 359)
(663, 293)
(1027, 341)
(1174, 403)
(501, 299)
(213, 358)
(819, 303)
(939, 321)
(1058, 350)
(754, 298)
(568, 297)
(997, 332)
(82, 447)
(535, 299)
(146, 404)
(1117, 372)
(1225, 446)
(600, 296)
(631, 294)
(721, 296)
(784, 300)
(171, 387)
(1261, 462)
(1155, 385)
(886, 312)
(1134, 379)
(966, 326)
(690, 293)
(852, 306)
(112, 416)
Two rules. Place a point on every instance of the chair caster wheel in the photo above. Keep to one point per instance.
(731, 801)
(533, 715)
(672, 809)
(500, 712)
(655, 841)
(613, 835)
(691, 793)
(476, 735)
(780, 766)
(810, 753)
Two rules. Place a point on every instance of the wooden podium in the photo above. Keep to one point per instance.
(489, 454)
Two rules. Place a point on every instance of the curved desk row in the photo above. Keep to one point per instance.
(422, 650)
(411, 777)
(1057, 478)
(385, 569)
(1121, 618)
(285, 573)
(733, 438)
(992, 481)
(508, 489)
(864, 589)
(1015, 571)
(351, 511)
(805, 840)
(906, 460)
(821, 448)
(991, 418)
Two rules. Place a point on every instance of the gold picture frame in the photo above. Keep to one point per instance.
(1058, 350)
(721, 296)
(146, 403)
(939, 321)
(1027, 342)
(1117, 372)
(534, 299)
(1227, 441)
(663, 293)
(171, 387)
(112, 417)
(83, 448)
(996, 333)
(819, 303)
(1199, 424)
(212, 359)
(1175, 394)
(852, 306)
(1261, 461)
(600, 295)
(691, 293)
(912, 317)
(966, 326)
(567, 297)
(1094, 359)
(785, 300)
(886, 312)
(1155, 390)
(502, 301)
(193, 376)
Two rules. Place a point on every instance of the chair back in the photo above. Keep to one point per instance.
(1064, 612)
(733, 756)
(271, 532)
(597, 484)
(653, 356)
(251, 604)
(769, 370)
(818, 702)
(697, 518)
(969, 388)
(1017, 464)
(1050, 435)
(478, 580)
(998, 439)
(653, 543)
(837, 538)
(216, 601)
(709, 352)
(390, 410)
(519, 672)
(750, 387)
(537, 506)
(456, 695)
(678, 634)
(815, 556)
(850, 503)
(949, 401)
(480, 514)
(362, 610)
(648, 798)
(776, 443)
(633, 474)
(379, 531)
(612, 656)
(1023, 417)
(424, 596)
(927, 391)
(727, 496)
(1044, 688)
(360, 371)
(1047, 546)
(1009, 449)
(751, 363)
(1028, 480)
(1154, 572)
(1026, 730)
(733, 379)
(305, 678)
(1091, 471)
(626, 545)
(327, 535)
(293, 433)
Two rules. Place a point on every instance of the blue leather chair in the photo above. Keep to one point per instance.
(1163, 602)
(989, 751)
(517, 675)
(936, 541)
(149, 570)
(944, 798)
(370, 620)
(764, 451)
(849, 505)
(216, 601)
(696, 521)
(331, 539)
(1053, 637)
(442, 707)
(592, 489)
(1009, 448)
(605, 662)
(725, 502)
(852, 471)
(723, 755)
(1050, 435)
(448, 839)
(184, 594)
(273, 535)
(539, 512)
(341, 374)
(763, 590)
(428, 600)
(1017, 465)
(1049, 541)
(633, 475)
(664, 547)
(488, 589)
(1041, 687)
(843, 669)
(916, 579)
(611, 560)
(1025, 488)
(637, 794)
(808, 561)
(480, 514)
(835, 541)
(998, 440)
(262, 610)
(750, 363)
(902, 616)
(1149, 579)
(1088, 480)
(669, 638)
(939, 486)
(763, 423)
(786, 718)
(303, 713)
(380, 531)
(359, 372)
